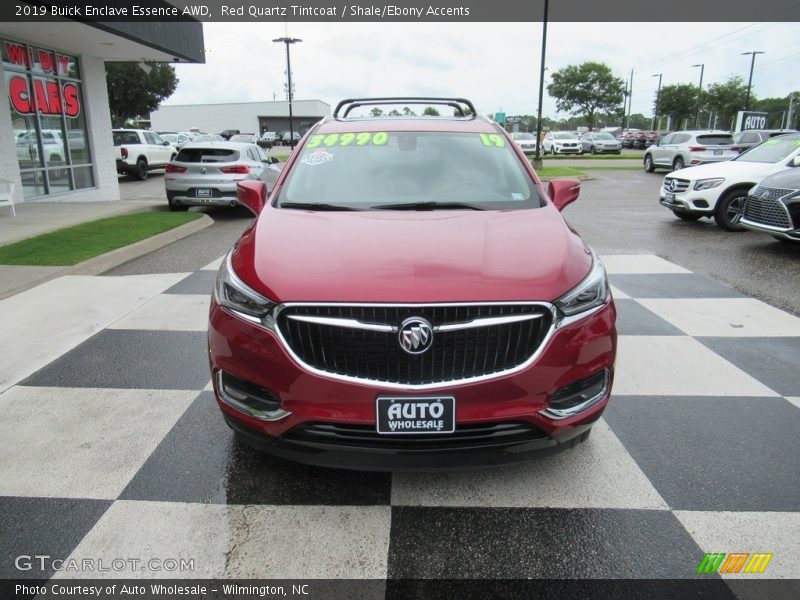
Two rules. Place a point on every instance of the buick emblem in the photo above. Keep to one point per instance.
(202, 170)
(415, 335)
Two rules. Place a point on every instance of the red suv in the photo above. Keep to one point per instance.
(410, 297)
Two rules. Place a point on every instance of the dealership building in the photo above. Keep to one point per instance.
(247, 117)
(55, 123)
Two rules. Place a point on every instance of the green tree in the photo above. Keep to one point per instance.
(430, 112)
(376, 112)
(134, 93)
(726, 99)
(679, 102)
(777, 109)
(408, 112)
(586, 89)
(394, 113)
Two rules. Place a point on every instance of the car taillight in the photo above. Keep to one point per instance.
(174, 169)
(696, 149)
(737, 149)
(238, 169)
(124, 152)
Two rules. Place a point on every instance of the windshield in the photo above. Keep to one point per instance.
(372, 169)
(564, 136)
(522, 136)
(169, 137)
(603, 136)
(243, 138)
(773, 150)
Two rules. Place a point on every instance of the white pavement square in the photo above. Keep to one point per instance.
(724, 317)
(628, 264)
(243, 541)
(81, 442)
(597, 474)
(213, 265)
(169, 312)
(773, 532)
(678, 366)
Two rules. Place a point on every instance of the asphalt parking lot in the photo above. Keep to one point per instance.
(695, 454)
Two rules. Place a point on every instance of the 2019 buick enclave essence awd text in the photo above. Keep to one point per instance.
(410, 297)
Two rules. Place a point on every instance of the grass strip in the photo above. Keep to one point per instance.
(69, 246)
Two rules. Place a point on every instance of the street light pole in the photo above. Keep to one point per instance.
(537, 159)
(699, 95)
(287, 40)
(750, 80)
(658, 97)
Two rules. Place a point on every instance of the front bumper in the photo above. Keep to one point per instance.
(559, 150)
(786, 234)
(687, 202)
(254, 354)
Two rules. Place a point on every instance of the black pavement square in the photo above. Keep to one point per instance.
(635, 319)
(774, 361)
(42, 527)
(214, 467)
(121, 358)
(199, 282)
(671, 285)
(713, 453)
(557, 543)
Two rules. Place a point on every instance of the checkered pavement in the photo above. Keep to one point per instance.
(111, 446)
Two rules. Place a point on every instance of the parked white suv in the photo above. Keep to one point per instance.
(561, 142)
(719, 190)
(140, 151)
(686, 148)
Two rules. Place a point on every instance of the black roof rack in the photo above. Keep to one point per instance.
(457, 103)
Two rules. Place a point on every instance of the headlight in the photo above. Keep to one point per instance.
(707, 184)
(232, 293)
(588, 294)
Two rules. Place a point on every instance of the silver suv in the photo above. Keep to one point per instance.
(687, 148)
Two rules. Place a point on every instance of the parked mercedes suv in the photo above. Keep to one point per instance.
(410, 297)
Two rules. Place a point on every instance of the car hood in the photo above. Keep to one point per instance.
(730, 169)
(788, 178)
(416, 256)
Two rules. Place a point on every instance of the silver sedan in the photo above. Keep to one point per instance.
(204, 174)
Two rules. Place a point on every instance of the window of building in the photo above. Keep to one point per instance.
(47, 112)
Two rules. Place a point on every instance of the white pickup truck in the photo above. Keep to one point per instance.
(140, 151)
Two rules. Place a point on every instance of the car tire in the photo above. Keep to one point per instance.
(686, 216)
(140, 171)
(175, 207)
(678, 164)
(729, 210)
(649, 166)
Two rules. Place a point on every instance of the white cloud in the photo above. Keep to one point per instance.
(494, 64)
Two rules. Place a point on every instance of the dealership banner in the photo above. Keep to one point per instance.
(402, 10)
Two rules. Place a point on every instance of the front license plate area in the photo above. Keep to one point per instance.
(398, 415)
(203, 192)
(669, 197)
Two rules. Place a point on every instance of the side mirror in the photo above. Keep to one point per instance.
(165, 143)
(563, 192)
(252, 194)
(273, 160)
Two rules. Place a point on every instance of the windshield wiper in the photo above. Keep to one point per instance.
(314, 206)
(427, 206)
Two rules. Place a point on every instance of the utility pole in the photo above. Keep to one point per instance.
(288, 41)
(658, 97)
(750, 80)
(630, 100)
(537, 159)
(699, 95)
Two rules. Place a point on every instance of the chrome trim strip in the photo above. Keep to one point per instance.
(558, 414)
(763, 226)
(337, 322)
(425, 386)
(355, 324)
(275, 415)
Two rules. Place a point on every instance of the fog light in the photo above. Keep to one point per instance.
(577, 397)
(249, 398)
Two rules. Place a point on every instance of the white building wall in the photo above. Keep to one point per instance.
(214, 118)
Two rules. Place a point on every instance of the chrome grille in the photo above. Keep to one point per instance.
(371, 349)
(675, 185)
(764, 206)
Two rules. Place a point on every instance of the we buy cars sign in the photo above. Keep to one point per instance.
(47, 96)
